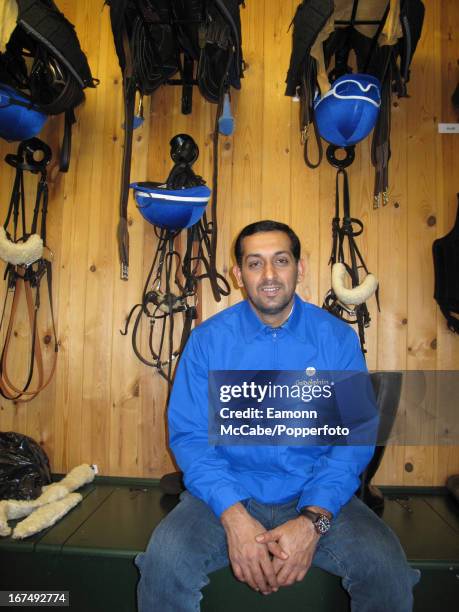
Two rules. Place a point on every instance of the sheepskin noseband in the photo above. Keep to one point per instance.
(357, 295)
(20, 253)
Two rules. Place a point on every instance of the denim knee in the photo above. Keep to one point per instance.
(183, 547)
(165, 553)
(381, 572)
(368, 556)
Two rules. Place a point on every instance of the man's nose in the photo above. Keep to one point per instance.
(269, 272)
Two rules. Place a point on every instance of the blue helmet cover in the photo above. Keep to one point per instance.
(20, 119)
(171, 208)
(347, 113)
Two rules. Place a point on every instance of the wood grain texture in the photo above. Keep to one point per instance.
(423, 201)
(103, 406)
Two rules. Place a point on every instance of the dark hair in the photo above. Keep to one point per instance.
(267, 226)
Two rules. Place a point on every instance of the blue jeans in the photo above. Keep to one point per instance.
(190, 543)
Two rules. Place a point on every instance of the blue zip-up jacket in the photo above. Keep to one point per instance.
(236, 339)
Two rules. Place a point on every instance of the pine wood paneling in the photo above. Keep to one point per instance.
(103, 406)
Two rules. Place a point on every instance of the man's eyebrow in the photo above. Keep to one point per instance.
(261, 255)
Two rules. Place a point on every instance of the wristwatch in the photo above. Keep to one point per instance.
(320, 521)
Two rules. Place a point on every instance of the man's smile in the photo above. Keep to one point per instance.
(271, 290)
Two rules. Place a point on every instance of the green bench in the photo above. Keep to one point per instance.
(90, 553)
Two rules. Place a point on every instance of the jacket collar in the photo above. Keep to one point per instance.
(252, 325)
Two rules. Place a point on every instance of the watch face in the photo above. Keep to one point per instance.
(322, 524)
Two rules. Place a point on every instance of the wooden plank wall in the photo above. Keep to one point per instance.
(103, 406)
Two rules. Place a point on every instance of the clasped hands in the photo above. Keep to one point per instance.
(267, 560)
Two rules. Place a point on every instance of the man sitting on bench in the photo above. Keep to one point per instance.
(270, 511)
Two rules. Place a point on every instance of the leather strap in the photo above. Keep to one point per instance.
(129, 89)
(66, 149)
(307, 118)
(8, 389)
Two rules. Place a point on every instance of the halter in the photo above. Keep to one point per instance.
(25, 269)
(165, 295)
(348, 304)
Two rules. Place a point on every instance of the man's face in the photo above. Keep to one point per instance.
(269, 274)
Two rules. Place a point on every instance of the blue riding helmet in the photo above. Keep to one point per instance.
(171, 208)
(347, 113)
(20, 119)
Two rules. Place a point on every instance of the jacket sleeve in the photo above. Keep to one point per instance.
(335, 476)
(207, 475)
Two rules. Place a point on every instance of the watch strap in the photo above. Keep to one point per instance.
(310, 514)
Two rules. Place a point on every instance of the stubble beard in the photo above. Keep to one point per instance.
(270, 310)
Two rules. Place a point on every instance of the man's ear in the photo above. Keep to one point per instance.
(301, 270)
(238, 275)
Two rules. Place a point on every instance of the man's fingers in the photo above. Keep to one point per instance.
(301, 575)
(237, 570)
(270, 574)
(277, 564)
(288, 580)
(267, 536)
(276, 550)
(247, 577)
(284, 573)
(248, 573)
(244, 574)
(289, 574)
(258, 577)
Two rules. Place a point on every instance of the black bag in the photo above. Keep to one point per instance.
(209, 32)
(445, 252)
(24, 467)
(144, 42)
(154, 38)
